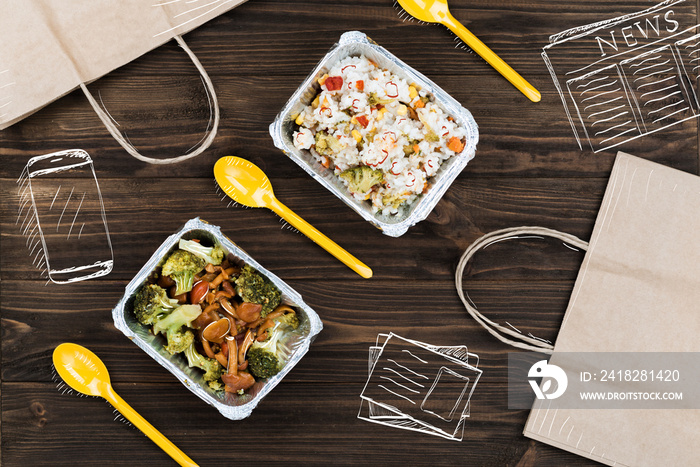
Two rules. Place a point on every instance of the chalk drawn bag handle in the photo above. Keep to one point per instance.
(502, 333)
(116, 134)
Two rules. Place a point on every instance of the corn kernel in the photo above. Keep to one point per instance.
(353, 120)
(380, 113)
(356, 134)
(412, 92)
(322, 79)
(300, 119)
(401, 110)
(315, 103)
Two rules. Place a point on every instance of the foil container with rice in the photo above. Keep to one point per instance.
(355, 44)
(231, 405)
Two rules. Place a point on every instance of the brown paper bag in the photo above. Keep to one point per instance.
(637, 294)
(638, 290)
(51, 47)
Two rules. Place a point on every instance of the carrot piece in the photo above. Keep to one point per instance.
(416, 148)
(326, 162)
(455, 144)
(419, 104)
(360, 85)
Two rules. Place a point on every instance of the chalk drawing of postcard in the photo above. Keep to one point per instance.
(632, 75)
(419, 387)
(62, 215)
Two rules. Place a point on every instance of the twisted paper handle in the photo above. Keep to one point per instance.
(206, 142)
(523, 341)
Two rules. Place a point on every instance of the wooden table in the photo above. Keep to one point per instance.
(528, 170)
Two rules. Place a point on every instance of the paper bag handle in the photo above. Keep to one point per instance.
(520, 341)
(206, 142)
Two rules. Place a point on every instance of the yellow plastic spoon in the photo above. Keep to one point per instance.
(436, 11)
(83, 371)
(246, 184)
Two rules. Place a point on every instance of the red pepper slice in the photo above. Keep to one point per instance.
(362, 120)
(334, 83)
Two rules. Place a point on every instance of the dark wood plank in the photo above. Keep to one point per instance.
(49, 428)
(161, 124)
(141, 215)
(429, 312)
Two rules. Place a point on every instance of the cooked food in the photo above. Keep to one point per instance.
(254, 288)
(385, 138)
(225, 320)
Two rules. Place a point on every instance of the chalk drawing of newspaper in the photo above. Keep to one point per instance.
(639, 74)
(419, 387)
(688, 52)
(62, 214)
(603, 106)
(661, 98)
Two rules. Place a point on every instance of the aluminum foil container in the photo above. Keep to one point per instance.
(355, 43)
(231, 406)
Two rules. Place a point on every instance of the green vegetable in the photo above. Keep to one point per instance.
(288, 320)
(326, 144)
(373, 100)
(212, 369)
(181, 266)
(152, 303)
(362, 179)
(175, 326)
(254, 288)
(393, 200)
(266, 359)
(213, 255)
(263, 363)
(432, 137)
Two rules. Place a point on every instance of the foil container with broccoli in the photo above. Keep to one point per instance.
(226, 327)
(366, 134)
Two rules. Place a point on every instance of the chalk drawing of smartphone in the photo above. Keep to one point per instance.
(62, 192)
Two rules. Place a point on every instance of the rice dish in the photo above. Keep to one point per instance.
(382, 136)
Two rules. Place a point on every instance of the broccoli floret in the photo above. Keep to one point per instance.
(262, 363)
(152, 303)
(175, 326)
(326, 144)
(288, 320)
(179, 340)
(254, 288)
(361, 179)
(394, 200)
(266, 359)
(212, 369)
(181, 266)
(213, 255)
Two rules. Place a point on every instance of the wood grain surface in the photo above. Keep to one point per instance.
(528, 170)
